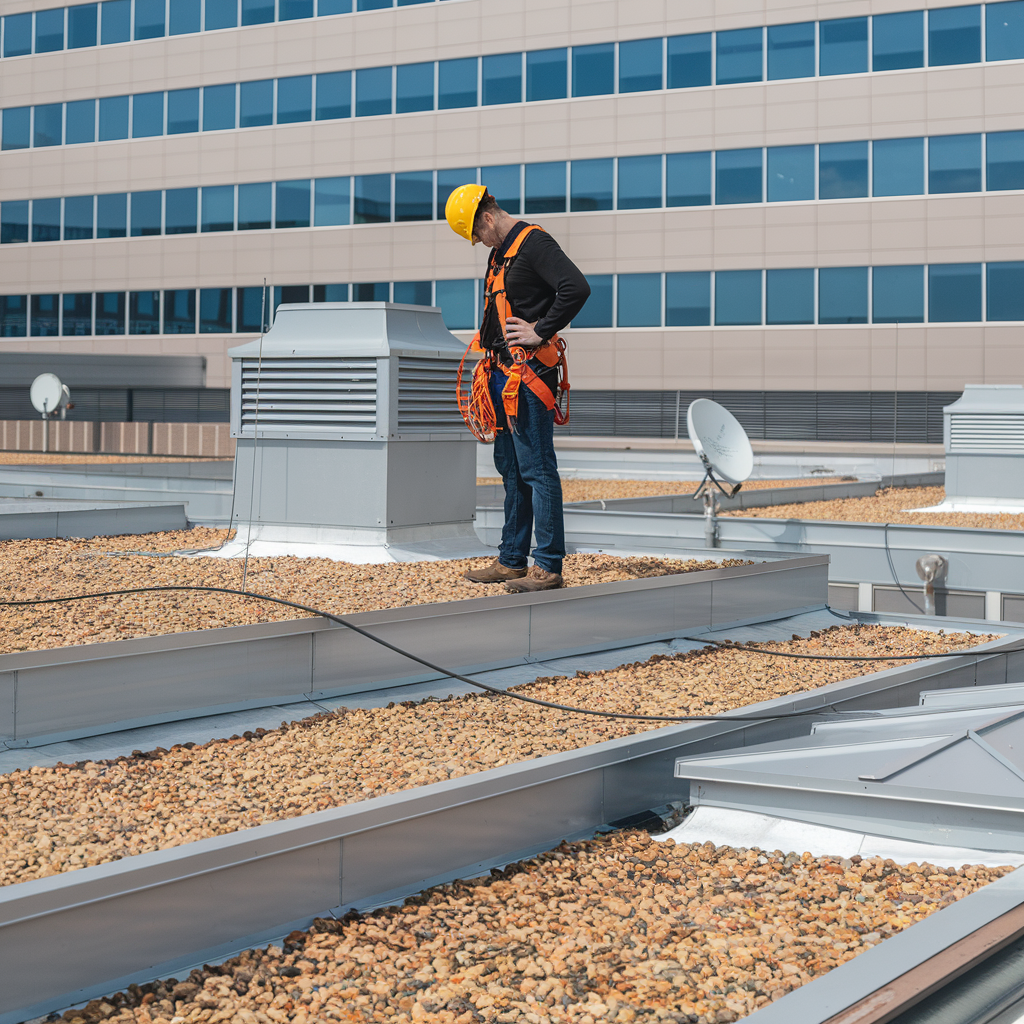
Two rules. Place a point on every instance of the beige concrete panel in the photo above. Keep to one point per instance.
(740, 239)
(955, 355)
(687, 362)
(593, 22)
(843, 357)
(792, 123)
(739, 116)
(738, 358)
(897, 239)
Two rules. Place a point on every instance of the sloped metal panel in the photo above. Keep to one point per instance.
(426, 395)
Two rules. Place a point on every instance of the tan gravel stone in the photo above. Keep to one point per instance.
(594, 490)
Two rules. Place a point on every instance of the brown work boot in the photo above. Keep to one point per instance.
(536, 579)
(494, 573)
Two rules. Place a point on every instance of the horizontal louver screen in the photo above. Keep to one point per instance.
(426, 395)
(986, 432)
(310, 394)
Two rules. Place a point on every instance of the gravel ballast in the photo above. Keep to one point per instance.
(614, 929)
(63, 818)
(596, 490)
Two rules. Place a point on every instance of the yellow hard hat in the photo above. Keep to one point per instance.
(460, 210)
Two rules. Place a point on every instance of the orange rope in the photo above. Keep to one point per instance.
(477, 407)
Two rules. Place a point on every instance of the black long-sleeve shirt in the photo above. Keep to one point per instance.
(542, 284)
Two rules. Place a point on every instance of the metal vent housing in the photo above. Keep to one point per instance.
(984, 436)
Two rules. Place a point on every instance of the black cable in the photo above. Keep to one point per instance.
(892, 569)
(423, 661)
(733, 646)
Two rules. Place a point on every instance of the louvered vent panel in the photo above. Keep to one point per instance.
(426, 395)
(310, 394)
(986, 432)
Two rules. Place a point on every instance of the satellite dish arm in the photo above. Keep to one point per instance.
(710, 478)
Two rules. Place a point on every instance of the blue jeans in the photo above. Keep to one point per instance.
(533, 491)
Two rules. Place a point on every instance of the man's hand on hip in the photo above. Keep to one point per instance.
(519, 332)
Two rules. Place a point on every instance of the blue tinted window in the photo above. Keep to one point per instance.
(76, 314)
(221, 14)
(115, 21)
(180, 311)
(186, 16)
(598, 310)
(143, 312)
(370, 291)
(330, 292)
(45, 220)
(640, 65)
(1005, 291)
(898, 167)
(334, 95)
(639, 182)
(414, 195)
(149, 19)
(218, 107)
(546, 75)
(45, 315)
(545, 188)
(325, 7)
(372, 198)
(290, 293)
(13, 316)
(1005, 156)
(255, 103)
(257, 12)
(374, 5)
(17, 121)
(954, 292)
(146, 213)
(50, 30)
(295, 99)
(503, 183)
(457, 300)
(112, 215)
(147, 114)
(593, 70)
(292, 204)
(331, 201)
(449, 180)
(82, 26)
(254, 309)
(110, 307)
(897, 295)
(738, 176)
(80, 124)
(78, 217)
(14, 221)
(456, 83)
(181, 211)
(17, 35)
(738, 56)
(791, 51)
(1004, 30)
(842, 170)
(182, 111)
(688, 179)
(639, 302)
(954, 35)
(843, 295)
(413, 293)
(790, 173)
(789, 296)
(48, 127)
(254, 205)
(373, 91)
(592, 185)
(737, 297)
(218, 208)
(503, 78)
(843, 46)
(689, 61)
(214, 310)
(688, 299)
(897, 41)
(414, 87)
(954, 163)
(292, 10)
(113, 118)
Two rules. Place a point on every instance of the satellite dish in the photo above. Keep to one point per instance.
(47, 393)
(721, 443)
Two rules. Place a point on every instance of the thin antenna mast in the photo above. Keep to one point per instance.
(255, 430)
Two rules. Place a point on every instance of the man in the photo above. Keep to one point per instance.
(533, 291)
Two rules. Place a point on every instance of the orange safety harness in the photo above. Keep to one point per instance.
(477, 407)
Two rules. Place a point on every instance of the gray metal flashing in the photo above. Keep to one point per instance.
(71, 692)
(366, 853)
(37, 519)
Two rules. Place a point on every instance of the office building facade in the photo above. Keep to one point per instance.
(802, 209)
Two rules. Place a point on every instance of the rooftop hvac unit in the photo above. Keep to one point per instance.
(348, 432)
(984, 435)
